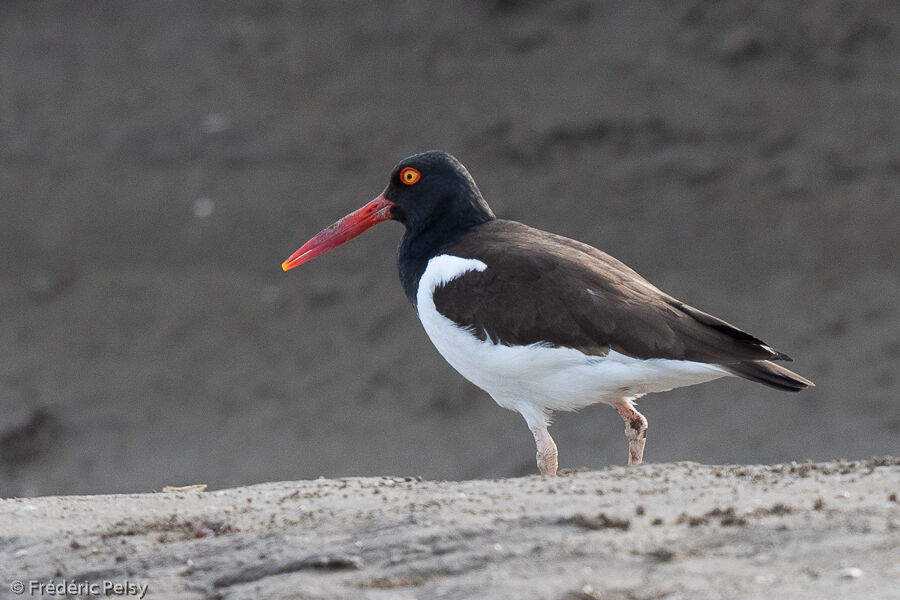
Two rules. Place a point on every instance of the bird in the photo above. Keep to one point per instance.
(541, 322)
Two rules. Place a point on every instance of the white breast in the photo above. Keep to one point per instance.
(538, 378)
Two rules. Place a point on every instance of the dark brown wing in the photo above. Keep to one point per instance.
(544, 288)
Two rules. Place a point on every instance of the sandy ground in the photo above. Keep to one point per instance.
(660, 531)
(158, 161)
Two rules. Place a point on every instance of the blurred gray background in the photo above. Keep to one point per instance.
(158, 161)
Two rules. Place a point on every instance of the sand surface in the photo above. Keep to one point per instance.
(660, 531)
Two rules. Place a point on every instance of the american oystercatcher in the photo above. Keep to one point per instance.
(539, 321)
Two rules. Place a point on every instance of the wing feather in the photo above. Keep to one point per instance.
(544, 288)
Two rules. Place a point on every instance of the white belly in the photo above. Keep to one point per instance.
(538, 377)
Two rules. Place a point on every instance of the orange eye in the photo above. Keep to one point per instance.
(410, 176)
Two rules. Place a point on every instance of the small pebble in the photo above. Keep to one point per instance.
(203, 207)
(41, 284)
(850, 573)
(215, 123)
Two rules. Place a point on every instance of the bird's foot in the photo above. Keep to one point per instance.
(547, 464)
(635, 431)
(547, 454)
(636, 451)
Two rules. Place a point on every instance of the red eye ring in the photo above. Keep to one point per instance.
(410, 176)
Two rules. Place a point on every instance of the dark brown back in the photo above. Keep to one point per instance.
(544, 288)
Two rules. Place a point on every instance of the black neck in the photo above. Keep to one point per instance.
(418, 247)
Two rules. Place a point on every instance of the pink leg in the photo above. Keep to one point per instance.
(635, 431)
(546, 451)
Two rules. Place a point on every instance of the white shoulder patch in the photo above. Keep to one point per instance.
(444, 268)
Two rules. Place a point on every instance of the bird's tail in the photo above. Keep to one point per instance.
(770, 374)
